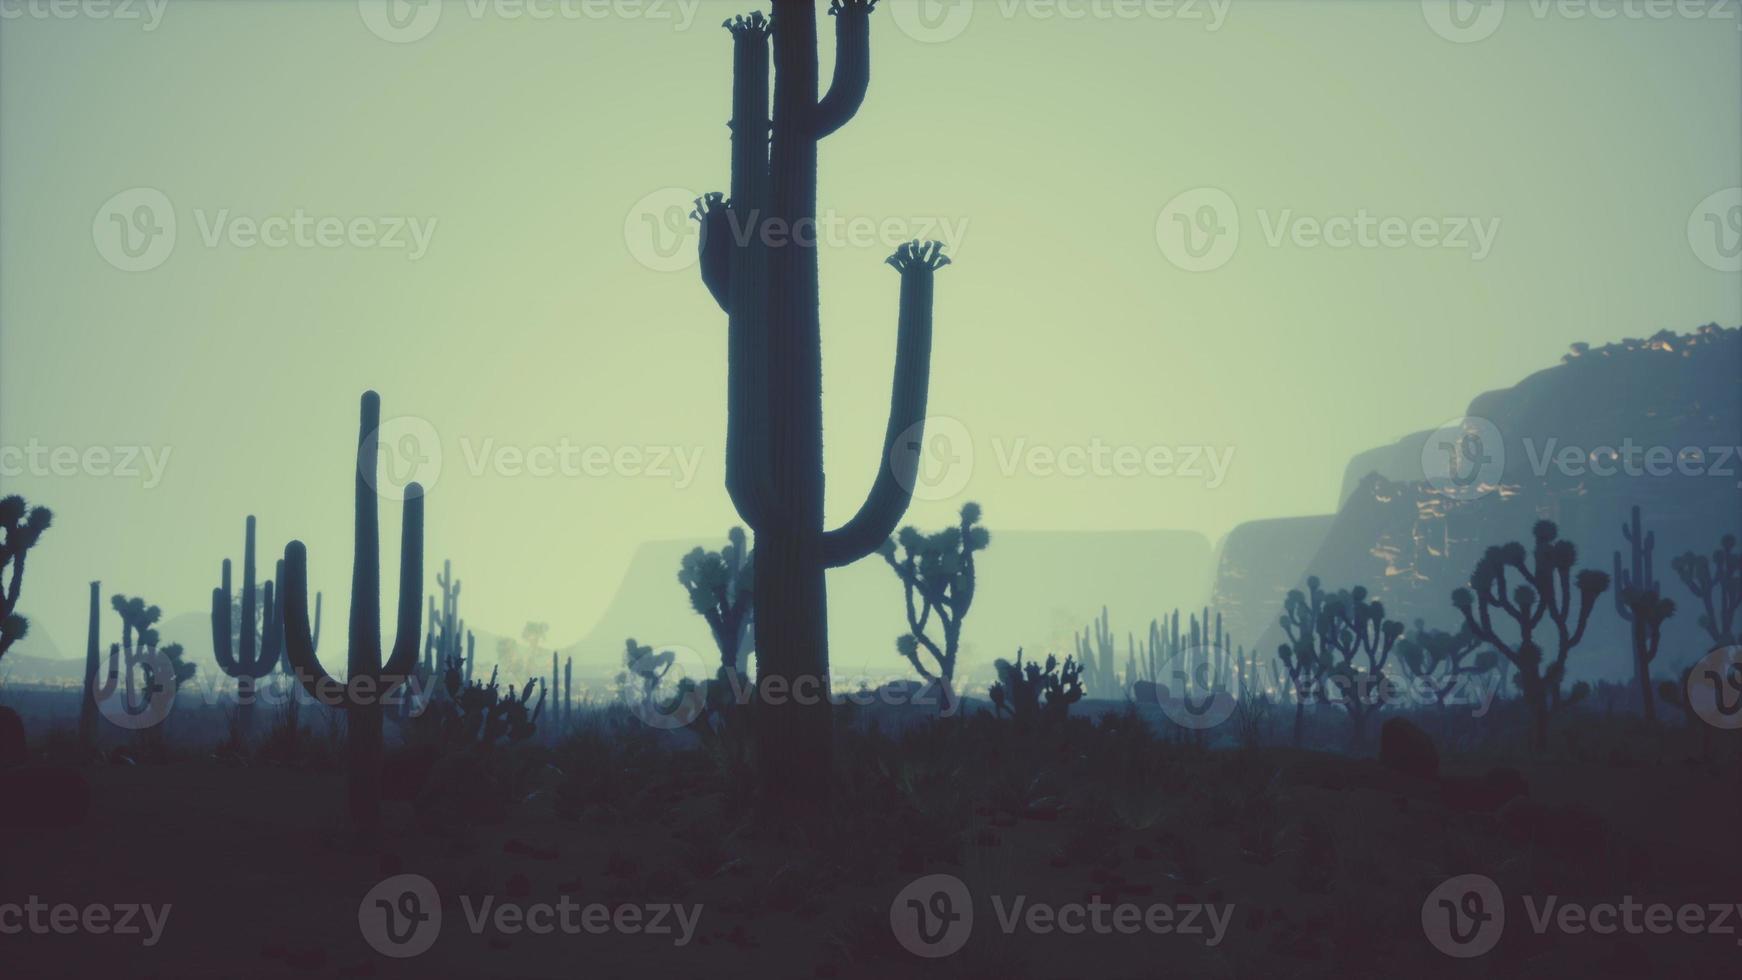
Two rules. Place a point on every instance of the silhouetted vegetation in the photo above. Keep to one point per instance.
(937, 582)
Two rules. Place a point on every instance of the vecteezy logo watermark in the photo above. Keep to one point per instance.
(936, 21)
(666, 229)
(1468, 21)
(407, 450)
(1464, 916)
(1715, 230)
(1463, 21)
(1196, 689)
(1464, 458)
(401, 916)
(933, 916)
(135, 231)
(933, 459)
(405, 21)
(148, 12)
(144, 463)
(400, 21)
(145, 704)
(1199, 230)
(662, 685)
(1714, 688)
(39, 918)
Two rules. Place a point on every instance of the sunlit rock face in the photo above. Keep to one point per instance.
(1654, 423)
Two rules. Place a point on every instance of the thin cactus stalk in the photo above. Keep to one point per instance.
(240, 652)
(762, 269)
(568, 705)
(368, 681)
(93, 693)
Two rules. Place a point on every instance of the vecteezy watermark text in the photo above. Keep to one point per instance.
(933, 917)
(94, 919)
(143, 463)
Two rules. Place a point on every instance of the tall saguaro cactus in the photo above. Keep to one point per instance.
(368, 681)
(240, 652)
(759, 260)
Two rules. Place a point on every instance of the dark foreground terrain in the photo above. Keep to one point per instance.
(1326, 859)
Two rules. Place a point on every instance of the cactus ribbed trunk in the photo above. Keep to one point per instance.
(759, 260)
(369, 681)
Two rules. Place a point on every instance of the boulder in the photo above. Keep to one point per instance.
(1404, 747)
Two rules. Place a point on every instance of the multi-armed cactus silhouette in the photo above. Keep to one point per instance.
(1547, 589)
(722, 590)
(1639, 601)
(1717, 582)
(1437, 659)
(22, 526)
(153, 674)
(369, 681)
(761, 266)
(937, 581)
(245, 651)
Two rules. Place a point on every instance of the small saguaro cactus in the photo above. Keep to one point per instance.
(1548, 590)
(22, 526)
(761, 266)
(239, 651)
(369, 681)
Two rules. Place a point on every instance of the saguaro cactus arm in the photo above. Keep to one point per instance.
(852, 65)
(365, 630)
(904, 436)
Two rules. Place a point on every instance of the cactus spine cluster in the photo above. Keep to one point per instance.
(369, 681)
(760, 264)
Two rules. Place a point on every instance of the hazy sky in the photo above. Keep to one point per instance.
(471, 209)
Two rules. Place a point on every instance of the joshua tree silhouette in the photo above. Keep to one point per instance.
(722, 589)
(23, 526)
(761, 267)
(1547, 589)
